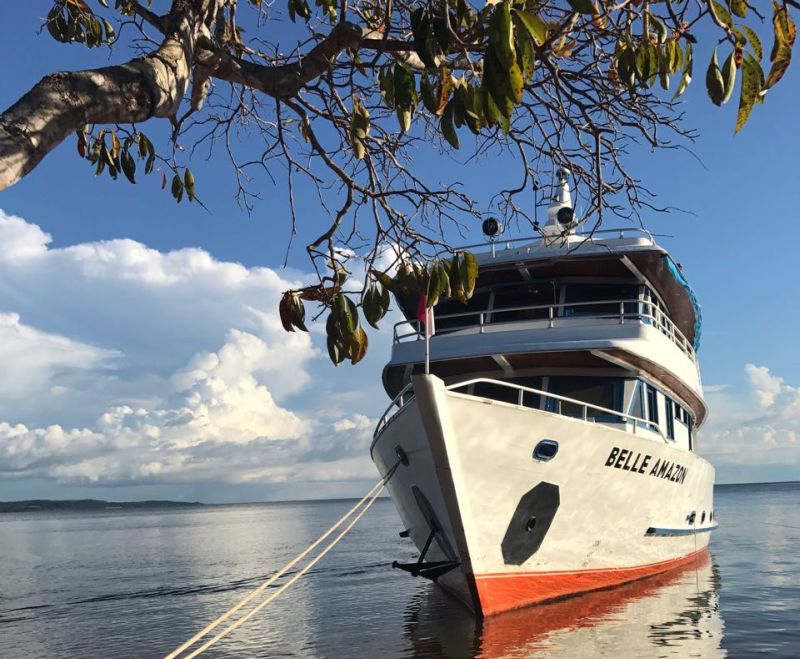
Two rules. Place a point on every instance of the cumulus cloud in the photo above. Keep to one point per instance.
(32, 359)
(762, 426)
(766, 387)
(124, 364)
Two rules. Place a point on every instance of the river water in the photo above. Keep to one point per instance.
(137, 583)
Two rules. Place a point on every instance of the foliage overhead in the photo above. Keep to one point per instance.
(344, 93)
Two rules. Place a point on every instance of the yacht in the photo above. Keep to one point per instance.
(549, 445)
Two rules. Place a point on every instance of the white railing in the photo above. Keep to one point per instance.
(537, 239)
(631, 422)
(398, 402)
(559, 400)
(552, 316)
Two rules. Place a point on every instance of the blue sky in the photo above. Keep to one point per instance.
(172, 318)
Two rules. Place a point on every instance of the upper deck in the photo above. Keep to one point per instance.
(610, 299)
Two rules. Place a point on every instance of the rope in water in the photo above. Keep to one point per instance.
(369, 498)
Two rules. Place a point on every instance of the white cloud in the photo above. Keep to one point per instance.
(123, 364)
(759, 428)
(766, 387)
(32, 359)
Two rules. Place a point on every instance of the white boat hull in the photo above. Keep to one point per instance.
(610, 507)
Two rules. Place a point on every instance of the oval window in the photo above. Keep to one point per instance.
(545, 450)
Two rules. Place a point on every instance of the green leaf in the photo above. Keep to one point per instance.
(728, 77)
(785, 35)
(739, 7)
(456, 283)
(346, 314)
(447, 127)
(405, 95)
(496, 80)
(111, 35)
(128, 166)
(714, 83)
(188, 181)
(358, 345)
(515, 82)
(298, 312)
(373, 305)
(471, 273)
(752, 77)
(686, 76)
(501, 34)
(359, 128)
(526, 58)
(582, 6)
(177, 188)
(721, 13)
(428, 92)
(335, 351)
(533, 24)
(285, 312)
(434, 287)
(755, 42)
(386, 280)
(386, 85)
(659, 26)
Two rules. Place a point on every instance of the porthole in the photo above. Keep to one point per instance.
(530, 524)
(703, 517)
(545, 450)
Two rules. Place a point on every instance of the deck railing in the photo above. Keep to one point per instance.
(527, 243)
(630, 422)
(550, 316)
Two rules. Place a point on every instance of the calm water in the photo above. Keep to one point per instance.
(136, 584)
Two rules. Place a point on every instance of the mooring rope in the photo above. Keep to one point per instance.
(369, 498)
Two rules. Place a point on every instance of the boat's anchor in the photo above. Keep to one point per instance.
(432, 570)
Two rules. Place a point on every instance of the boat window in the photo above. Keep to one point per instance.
(531, 295)
(652, 404)
(603, 392)
(477, 303)
(577, 295)
(511, 394)
(670, 419)
(637, 402)
(496, 392)
(529, 399)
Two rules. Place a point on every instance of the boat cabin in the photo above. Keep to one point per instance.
(612, 324)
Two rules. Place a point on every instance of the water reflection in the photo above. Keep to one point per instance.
(673, 614)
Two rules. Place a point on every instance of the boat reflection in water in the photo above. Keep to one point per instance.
(675, 614)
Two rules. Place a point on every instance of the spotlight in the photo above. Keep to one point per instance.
(491, 227)
(565, 216)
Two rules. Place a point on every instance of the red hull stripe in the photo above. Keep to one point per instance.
(507, 591)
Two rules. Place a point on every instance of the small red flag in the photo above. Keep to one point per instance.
(425, 316)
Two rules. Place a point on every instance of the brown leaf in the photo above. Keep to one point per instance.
(445, 87)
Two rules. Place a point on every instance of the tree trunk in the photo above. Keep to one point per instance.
(61, 103)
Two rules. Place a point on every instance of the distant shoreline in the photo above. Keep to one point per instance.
(49, 505)
(99, 505)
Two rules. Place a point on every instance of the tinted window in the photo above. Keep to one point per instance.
(496, 392)
(637, 403)
(531, 295)
(652, 404)
(670, 419)
(603, 392)
(529, 399)
(582, 293)
(478, 302)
